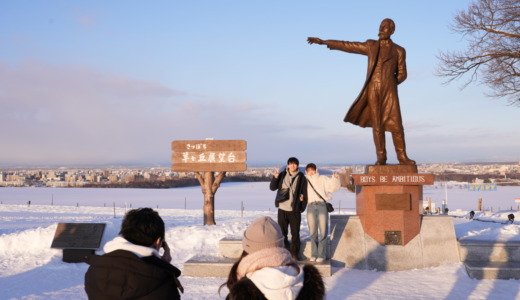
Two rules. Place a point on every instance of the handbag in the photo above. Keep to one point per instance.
(329, 206)
(282, 195)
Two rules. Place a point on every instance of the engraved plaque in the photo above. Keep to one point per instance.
(393, 179)
(393, 238)
(394, 201)
(78, 235)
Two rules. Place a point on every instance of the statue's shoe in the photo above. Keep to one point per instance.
(380, 162)
(406, 161)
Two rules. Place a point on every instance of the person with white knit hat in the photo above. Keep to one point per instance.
(266, 270)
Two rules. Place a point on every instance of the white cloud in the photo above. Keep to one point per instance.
(75, 115)
(69, 114)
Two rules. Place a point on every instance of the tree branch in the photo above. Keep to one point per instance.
(216, 183)
(201, 181)
(492, 31)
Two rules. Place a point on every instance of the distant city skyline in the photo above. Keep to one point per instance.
(163, 177)
(106, 83)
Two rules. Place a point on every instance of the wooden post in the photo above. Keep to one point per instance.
(430, 205)
(209, 185)
(479, 204)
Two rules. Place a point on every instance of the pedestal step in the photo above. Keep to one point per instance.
(201, 266)
(493, 270)
(490, 260)
(232, 248)
(489, 251)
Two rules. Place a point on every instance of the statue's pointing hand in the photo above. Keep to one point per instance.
(314, 40)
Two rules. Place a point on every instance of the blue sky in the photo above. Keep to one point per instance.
(111, 82)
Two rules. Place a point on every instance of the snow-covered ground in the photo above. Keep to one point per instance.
(30, 269)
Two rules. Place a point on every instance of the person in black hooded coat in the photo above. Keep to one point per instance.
(290, 207)
(131, 267)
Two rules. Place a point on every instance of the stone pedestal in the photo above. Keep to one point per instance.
(351, 247)
(389, 233)
(388, 202)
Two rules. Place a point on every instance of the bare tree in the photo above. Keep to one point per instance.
(492, 30)
(209, 185)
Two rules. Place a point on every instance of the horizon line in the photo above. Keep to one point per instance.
(250, 165)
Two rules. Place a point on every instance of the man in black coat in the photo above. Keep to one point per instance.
(291, 200)
(132, 267)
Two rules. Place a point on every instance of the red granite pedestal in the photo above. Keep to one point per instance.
(388, 202)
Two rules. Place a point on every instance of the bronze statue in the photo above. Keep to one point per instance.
(377, 105)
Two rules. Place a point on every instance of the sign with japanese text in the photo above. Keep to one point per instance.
(394, 179)
(209, 156)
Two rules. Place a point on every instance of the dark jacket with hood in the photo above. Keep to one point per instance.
(300, 189)
(123, 275)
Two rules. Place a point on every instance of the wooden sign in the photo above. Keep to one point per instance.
(209, 156)
(78, 235)
(394, 179)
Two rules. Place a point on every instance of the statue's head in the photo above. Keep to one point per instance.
(386, 29)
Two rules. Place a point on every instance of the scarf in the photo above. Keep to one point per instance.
(120, 243)
(268, 257)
